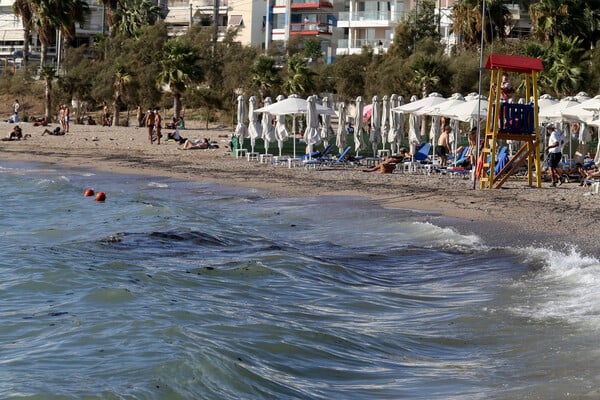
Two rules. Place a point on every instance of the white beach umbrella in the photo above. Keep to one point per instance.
(469, 111)
(312, 135)
(414, 128)
(586, 111)
(438, 108)
(396, 123)
(268, 130)
(434, 131)
(553, 113)
(281, 132)
(342, 134)
(385, 119)
(241, 132)
(375, 135)
(254, 127)
(359, 143)
(433, 99)
(326, 126)
(294, 105)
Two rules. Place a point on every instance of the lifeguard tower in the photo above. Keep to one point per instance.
(517, 122)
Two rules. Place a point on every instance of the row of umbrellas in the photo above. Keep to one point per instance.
(386, 117)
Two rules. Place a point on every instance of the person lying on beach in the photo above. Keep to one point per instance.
(56, 132)
(40, 121)
(389, 162)
(193, 145)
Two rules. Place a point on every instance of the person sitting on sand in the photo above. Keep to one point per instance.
(191, 145)
(390, 161)
(56, 132)
(16, 134)
(176, 137)
(91, 120)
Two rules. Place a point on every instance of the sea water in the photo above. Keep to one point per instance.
(179, 290)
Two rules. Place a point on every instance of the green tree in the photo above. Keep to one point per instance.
(312, 49)
(24, 9)
(133, 15)
(427, 71)
(567, 70)
(468, 24)
(180, 67)
(265, 76)
(300, 78)
(349, 75)
(122, 79)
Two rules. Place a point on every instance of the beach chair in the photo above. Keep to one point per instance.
(341, 160)
(418, 159)
(460, 158)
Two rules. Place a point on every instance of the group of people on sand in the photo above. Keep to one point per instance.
(16, 134)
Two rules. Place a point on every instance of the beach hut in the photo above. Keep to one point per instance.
(511, 121)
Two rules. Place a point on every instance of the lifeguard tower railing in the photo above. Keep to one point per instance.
(510, 121)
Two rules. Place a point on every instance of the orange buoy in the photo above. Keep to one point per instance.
(88, 193)
(101, 196)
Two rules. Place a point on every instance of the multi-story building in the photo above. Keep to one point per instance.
(368, 23)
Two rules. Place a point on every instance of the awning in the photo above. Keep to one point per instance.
(11, 35)
(235, 20)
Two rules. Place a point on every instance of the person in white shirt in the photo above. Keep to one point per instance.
(554, 149)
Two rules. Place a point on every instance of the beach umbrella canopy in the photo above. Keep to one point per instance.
(359, 143)
(431, 100)
(469, 111)
(268, 130)
(312, 135)
(294, 105)
(438, 108)
(586, 111)
(342, 134)
(281, 132)
(375, 135)
(545, 101)
(254, 127)
(553, 113)
(241, 132)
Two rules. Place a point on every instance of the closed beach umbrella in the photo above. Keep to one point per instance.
(434, 132)
(396, 123)
(241, 132)
(326, 127)
(341, 141)
(385, 119)
(414, 129)
(359, 143)
(312, 135)
(281, 132)
(268, 130)
(254, 128)
(375, 136)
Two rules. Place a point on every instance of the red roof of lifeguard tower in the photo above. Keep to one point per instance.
(508, 63)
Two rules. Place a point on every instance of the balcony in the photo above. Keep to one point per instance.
(369, 19)
(346, 47)
(300, 4)
(311, 28)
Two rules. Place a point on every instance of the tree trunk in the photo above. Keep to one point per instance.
(26, 38)
(44, 51)
(48, 100)
(177, 103)
(116, 108)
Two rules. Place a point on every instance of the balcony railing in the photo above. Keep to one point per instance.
(319, 27)
(360, 43)
(371, 16)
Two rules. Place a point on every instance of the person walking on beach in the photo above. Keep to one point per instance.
(158, 125)
(150, 124)
(443, 145)
(554, 149)
(140, 116)
(67, 112)
(16, 109)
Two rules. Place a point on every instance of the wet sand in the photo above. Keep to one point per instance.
(515, 215)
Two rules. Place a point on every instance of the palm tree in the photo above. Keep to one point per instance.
(468, 24)
(300, 79)
(72, 12)
(134, 15)
(567, 70)
(180, 66)
(45, 20)
(24, 9)
(546, 16)
(111, 11)
(427, 73)
(122, 79)
(265, 75)
(47, 73)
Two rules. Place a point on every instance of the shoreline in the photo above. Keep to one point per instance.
(514, 215)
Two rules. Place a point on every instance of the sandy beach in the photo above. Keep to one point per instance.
(514, 215)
